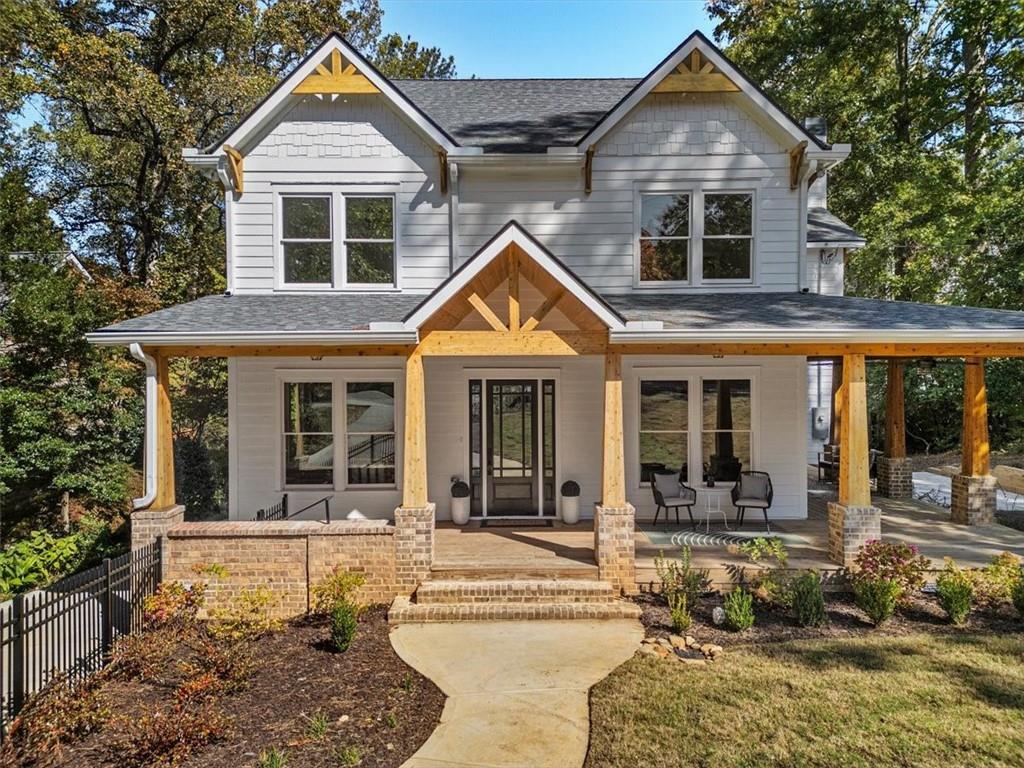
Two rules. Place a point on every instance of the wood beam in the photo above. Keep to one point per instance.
(236, 165)
(588, 170)
(837, 401)
(486, 312)
(540, 343)
(165, 496)
(287, 350)
(895, 418)
(696, 82)
(336, 78)
(414, 456)
(975, 423)
(513, 289)
(613, 473)
(854, 480)
(796, 159)
(442, 160)
(543, 311)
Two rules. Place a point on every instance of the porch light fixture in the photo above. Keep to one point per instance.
(926, 364)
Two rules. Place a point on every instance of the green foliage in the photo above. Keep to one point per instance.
(739, 610)
(877, 597)
(892, 561)
(318, 725)
(37, 560)
(1017, 595)
(173, 605)
(764, 549)
(168, 738)
(339, 587)
(390, 720)
(344, 623)
(681, 578)
(348, 756)
(193, 473)
(62, 714)
(247, 617)
(808, 600)
(774, 583)
(679, 612)
(954, 588)
(271, 758)
(993, 584)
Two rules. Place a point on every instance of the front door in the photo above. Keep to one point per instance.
(512, 448)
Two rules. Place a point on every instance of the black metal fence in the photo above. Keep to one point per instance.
(67, 628)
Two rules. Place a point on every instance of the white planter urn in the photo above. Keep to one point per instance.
(570, 510)
(460, 510)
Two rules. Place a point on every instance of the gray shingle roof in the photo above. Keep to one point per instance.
(823, 227)
(516, 115)
(782, 311)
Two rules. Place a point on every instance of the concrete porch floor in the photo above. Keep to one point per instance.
(569, 550)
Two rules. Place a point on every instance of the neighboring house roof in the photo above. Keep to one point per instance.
(825, 229)
(517, 116)
(726, 317)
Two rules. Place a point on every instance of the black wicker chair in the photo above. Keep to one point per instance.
(671, 493)
(753, 490)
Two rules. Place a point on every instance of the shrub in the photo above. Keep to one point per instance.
(877, 597)
(144, 656)
(232, 663)
(173, 605)
(247, 617)
(337, 588)
(808, 600)
(169, 737)
(774, 584)
(1017, 595)
(892, 561)
(680, 613)
(58, 715)
(954, 588)
(681, 577)
(739, 610)
(343, 625)
(199, 688)
(36, 560)
(993, 584)
(762, 549)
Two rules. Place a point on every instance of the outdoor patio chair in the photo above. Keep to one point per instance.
(671, 493)
(753, 490)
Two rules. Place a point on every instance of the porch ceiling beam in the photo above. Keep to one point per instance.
(539, 343)
(975, 446)
(895, 418)
(288, 350)
(854, 480)
(486, 312)
(826, 349)
(543, 310)
(796, 159)
(513, 289)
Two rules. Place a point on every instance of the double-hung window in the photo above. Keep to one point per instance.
(308, 433)
(664, 237)
(337, 240)
(664, 427)
(727, 243)
(370, 432)
(725, 428)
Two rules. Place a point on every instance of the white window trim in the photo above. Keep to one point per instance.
(695, 377)
(338, 378)
(345, 240)
(695, 268)
(339, 250)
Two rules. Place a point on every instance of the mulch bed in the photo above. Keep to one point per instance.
(921, 614)
(380, 710)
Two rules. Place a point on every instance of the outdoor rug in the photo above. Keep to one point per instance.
(678, 536)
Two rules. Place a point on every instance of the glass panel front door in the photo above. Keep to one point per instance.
(512, 448)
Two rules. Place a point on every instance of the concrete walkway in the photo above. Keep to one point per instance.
(517, 690)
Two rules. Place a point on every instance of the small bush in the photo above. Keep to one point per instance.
(271, 758)
(168, 738)
(199, 688)
(808, 600)
(344, 623)
(739, 610)
(680, 613)
(248, 617)
(681, 577)
(892, 561)
(993, 584)
(877, 597)
(762, 549)
(173, 605)
(60, 714)
(232, 663)
(954, 588)
(145, 656)
(338, 587)
(1017, 595)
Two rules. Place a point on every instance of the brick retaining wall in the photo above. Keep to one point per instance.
(286, 557)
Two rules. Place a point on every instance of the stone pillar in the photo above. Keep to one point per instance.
(849, 529)
(974, 499)
(615, 546)
(148, 525)
(895, 477)
(414, 546)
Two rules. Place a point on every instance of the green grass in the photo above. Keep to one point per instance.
(918, 700)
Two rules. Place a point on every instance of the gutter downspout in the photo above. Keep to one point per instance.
(149, 494)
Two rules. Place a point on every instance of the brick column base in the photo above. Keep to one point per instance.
(974, 499)
(148, 525)
(850, 528)
(615, 547)
(414, 546)
(895, 477)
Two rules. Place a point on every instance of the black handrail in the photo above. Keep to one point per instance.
(280, 510)
(326, 501)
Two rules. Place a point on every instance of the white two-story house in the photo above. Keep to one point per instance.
(520, 283)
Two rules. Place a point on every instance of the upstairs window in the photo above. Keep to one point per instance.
(664, 238)
(337, 240)
(728, 236)
(306, 241)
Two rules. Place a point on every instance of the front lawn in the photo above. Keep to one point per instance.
(913, 700)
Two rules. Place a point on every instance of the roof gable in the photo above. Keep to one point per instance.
(697, 65)
(513, 236)
(333, 67)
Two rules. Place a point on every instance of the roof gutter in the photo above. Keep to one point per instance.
(149, 492)
(251, 338)
(865, 336)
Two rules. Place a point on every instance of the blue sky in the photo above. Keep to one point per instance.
(549, 38)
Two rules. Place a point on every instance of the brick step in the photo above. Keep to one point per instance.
(512, 568)
(403, 611)
(519, 590)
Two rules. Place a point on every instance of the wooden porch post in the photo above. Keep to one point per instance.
(852, 521)
(837, 401)
(895, 475)
(613, 475)
(974, 489)
(414, 480)
(164, 437)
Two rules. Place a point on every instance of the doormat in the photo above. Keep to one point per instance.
(516, 523)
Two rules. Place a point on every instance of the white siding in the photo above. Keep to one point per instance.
(819, 401)
(356, 140)
(779, 436)
(825, 278)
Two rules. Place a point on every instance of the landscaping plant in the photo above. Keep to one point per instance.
(247, 617)
(679, 612)
(954, 588)
(765, 548)
(344, 623)
(808, 600)
(271, 758)
(877, 597)
(993, 584)
(739, 610)
(680, 577)
(340, 586)
(892, 561)
(173, 605)
(1017, 594)
(773, 584)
